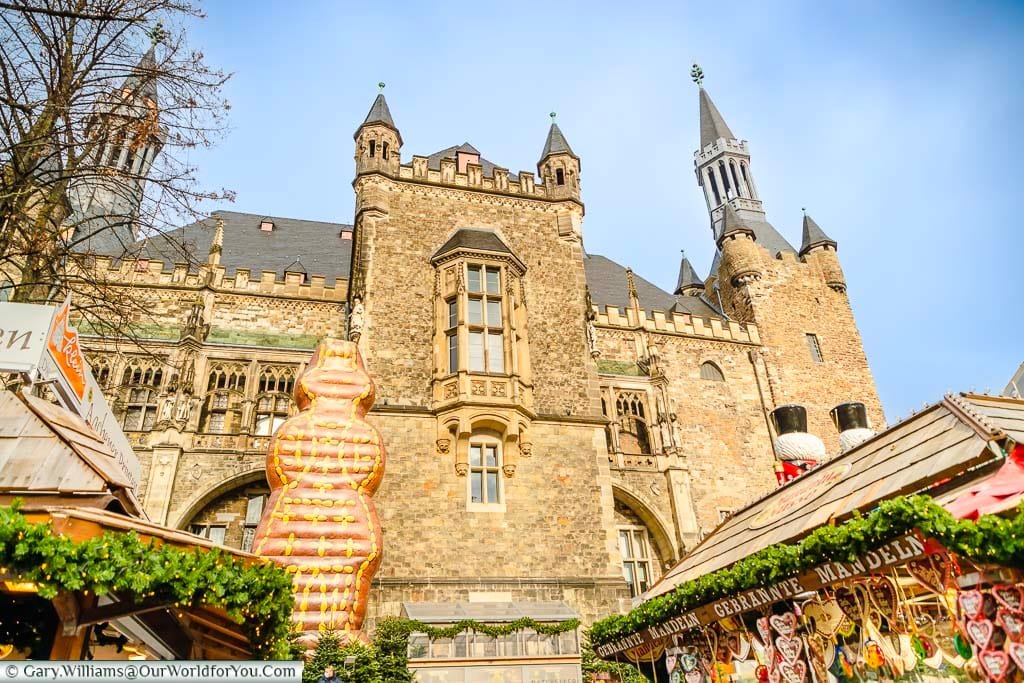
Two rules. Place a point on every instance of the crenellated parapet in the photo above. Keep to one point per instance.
(669, 322)
(151, 272)
(523, 183)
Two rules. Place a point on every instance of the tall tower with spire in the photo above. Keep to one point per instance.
(559, 166)
(812, 351)
(378, 142)
(126, 136)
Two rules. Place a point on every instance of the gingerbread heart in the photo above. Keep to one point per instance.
(689, 662)
(1016, 651)
(695, 676)
(784, 624)
(928, 572)
(849, 601)
(773, 675)
(764, 630)
(883, 596)
(1008, 595)
(980, 632)
(970, 603)
(793, 673)
(1012, 623)
(996, 664)
(739, 646)
(789, 648)
(827, 616)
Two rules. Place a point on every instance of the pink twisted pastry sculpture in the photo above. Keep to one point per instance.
(323, 466)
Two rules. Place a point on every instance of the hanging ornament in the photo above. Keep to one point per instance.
(931, 572)
(962, 647)
(873, 657)
(971, 603)
(1012, 623)
(980, 632)
(995, 663)
(826, 616)
(1008, 595)
(1016, 651)
(784, 624)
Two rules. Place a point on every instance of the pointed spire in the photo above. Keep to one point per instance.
(688, 280)
(634, 298)
(556, 142)
(814, 236)
(142, 79)
(712, 125)
(732, 223)
(379, 114)
(217, 243)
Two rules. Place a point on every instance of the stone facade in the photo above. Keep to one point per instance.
(543, 408)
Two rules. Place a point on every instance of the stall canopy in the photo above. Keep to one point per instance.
(942, 449)
(51, 454)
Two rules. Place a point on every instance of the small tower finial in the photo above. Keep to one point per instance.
(804, 209)
(553, 115)
(380, 86)
(697, 74)
(157, 34)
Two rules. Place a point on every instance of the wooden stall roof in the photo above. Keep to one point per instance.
(46, 450)
(950, 439)
(213, 634)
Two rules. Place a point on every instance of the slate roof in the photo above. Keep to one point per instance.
(687, 276)
(471, 238)
(317, 245)
(379, 113)
(556, 144)
(606, 280)
(434, 160)
(143, 78)
(814, 235)
(712, 125)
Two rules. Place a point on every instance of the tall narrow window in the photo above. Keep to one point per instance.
(633, 435)
(815, 348)
(384, 151)
(735, 182)
(142, 385)
(452, 335)
(636, 558)
(725, 178)
(373, 148)
(271, 412)
(484, 466)
(559, 177)
(486, 327)
(253, 513)
(714, 187)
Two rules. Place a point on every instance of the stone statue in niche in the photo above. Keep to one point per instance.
(355, 320)
(592, 339)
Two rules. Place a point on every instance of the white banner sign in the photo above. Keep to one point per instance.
(23, 333)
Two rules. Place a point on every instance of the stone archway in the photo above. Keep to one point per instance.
(656, 526)
(199, 501)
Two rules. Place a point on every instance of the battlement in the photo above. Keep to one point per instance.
(156, 273)
(523, 184)
(684, 324)
(720, 146)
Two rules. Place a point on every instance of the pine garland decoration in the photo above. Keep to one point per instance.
(990, 540)
(257, 596)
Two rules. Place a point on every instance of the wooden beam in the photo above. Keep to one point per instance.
(117, 610)
(68, 610)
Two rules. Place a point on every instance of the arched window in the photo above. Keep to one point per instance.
(274, 400)
(634, 438)
(709, 370)
(384, 151)
(142, 384)
(725, 179)
(485, 486)
(373, 148)
(559, 177)
(714, 187)
(735, 182)
(224, 393)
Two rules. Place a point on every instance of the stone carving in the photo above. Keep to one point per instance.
(451, 390)
(323, 466)
(478, 388)
(525, 449)
(498, 389)
(444, 446)
(509, 468)
(592, 340)
(355, 320)
(461, 468)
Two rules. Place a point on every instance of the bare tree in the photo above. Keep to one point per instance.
(101, 104)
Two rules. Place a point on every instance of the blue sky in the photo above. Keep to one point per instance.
(896, 124)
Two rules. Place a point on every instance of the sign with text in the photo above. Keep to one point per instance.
(895, 552)
(62, 345)
(24, 330)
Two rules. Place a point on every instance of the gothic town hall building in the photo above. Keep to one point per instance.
(558, 428)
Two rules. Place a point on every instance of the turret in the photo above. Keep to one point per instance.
(741, 260)
(688, 284)
(559, 166)
(820, 249)
(378, 142)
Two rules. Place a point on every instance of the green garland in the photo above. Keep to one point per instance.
(258, 596)
(386, 659)
(990, 540)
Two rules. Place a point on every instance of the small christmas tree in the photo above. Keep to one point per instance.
(361, 666)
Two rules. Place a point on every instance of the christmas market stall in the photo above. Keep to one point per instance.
(83, 575)
(899, 559)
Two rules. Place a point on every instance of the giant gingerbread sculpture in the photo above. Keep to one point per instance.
(323, 466)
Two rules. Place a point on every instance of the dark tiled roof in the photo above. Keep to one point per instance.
(471, 238)
(606, 280)
(380, 114)
(556, 144)
(434, 160)
(318, 246)
(712, 125)
(687, 276)
(814, 235)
